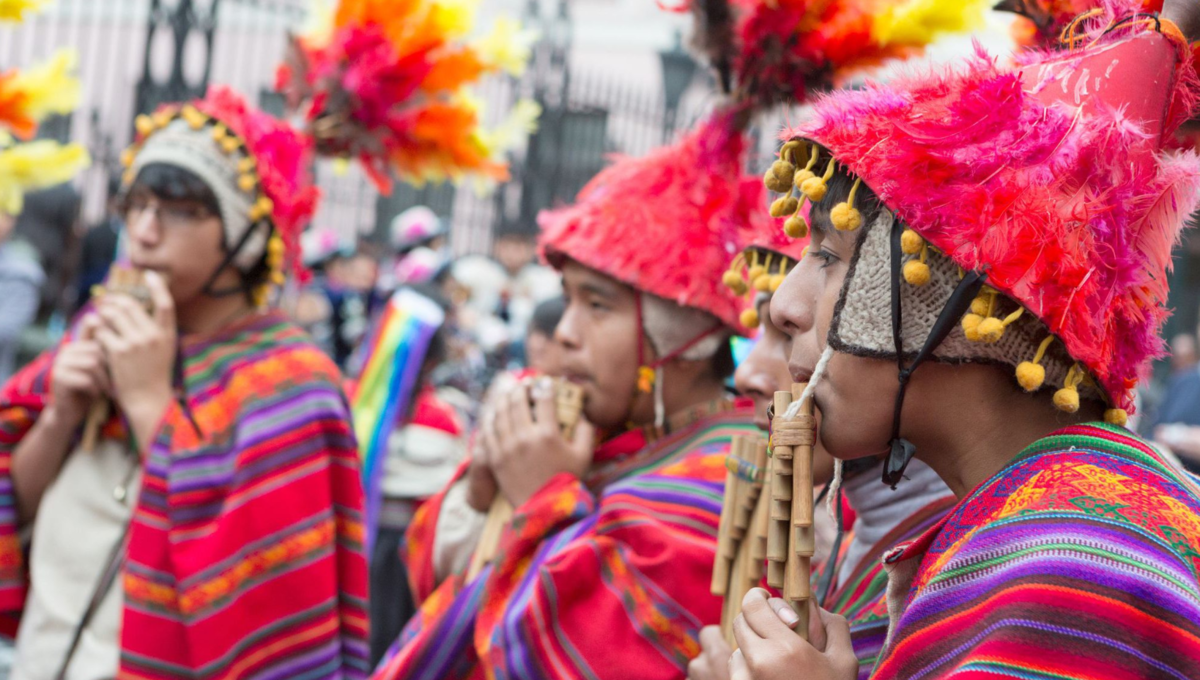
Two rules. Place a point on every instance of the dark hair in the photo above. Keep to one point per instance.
(173, 183)
(547, 315)
(839, 187)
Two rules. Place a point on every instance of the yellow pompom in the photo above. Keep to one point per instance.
(911, 242)
(776, 282)
(784, 206)
(783, 170)
(276, 249)
(1116, 416)
(163, 118)
(194, 118)
(247, 165)
(749, 317)
(278, 278)
(779, 186)
(845, 218)
(128, 156)
(796, 226)
(230, 144)
(763, 283)
(247, 182)
(755, 272)
(218, 132)
(802, 175)
(733, 280)
(1031, 376)
(991, 330)
(916, 272)
(1067, 399)
(970, 326)
(815, 189)
(979, 306)
(144, 124)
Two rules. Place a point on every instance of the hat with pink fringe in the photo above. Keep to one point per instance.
(1029, 212)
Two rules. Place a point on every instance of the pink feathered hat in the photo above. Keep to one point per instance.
(1056, 179)
(668, 223)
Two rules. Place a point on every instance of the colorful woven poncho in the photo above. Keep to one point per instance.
(244, 556)
(604, 579)
(1081, 559)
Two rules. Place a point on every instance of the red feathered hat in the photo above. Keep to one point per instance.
(1050, 179)
(668, 223)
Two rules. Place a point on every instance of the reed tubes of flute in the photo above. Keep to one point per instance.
(780, 508)
(798, 434)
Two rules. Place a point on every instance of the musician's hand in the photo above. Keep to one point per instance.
(79, 376)
(140, 349)
(713, 662)
(525, 446)
(768, 648)
(481, 483)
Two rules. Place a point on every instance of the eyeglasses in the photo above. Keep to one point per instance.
(170, 214)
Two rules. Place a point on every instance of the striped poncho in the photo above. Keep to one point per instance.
(608, 579)
(861, 598)
(1078, 560)
(245, 551)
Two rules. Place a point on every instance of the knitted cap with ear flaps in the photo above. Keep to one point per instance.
(1051, 179)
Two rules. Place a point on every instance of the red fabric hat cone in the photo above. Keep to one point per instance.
(668, 223)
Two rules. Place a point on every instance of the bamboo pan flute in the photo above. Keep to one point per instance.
(569, 401)
(777, 513)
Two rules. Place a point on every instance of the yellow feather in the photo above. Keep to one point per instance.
(36, 165)
(51, 87)
(920, 22)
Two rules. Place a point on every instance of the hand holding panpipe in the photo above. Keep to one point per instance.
(122, 280)
(569, 406)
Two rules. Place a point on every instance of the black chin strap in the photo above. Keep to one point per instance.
(229, 258)
(901, 450)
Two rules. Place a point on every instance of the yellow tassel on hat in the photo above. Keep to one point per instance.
(1116, 416)
(230, 144)
(144, 125)
(796, 226)
(784, 206)
(749, 317)
(1067, 398)
(816, 187)
(262, 209)
(775, 184)
(128, 156)
(247, 183)
(162, 118)
(246, 165)
(916, 272)
(756, 270)
(1031, 375)
(911, 242)
(970, 326)
(806, 173)
(219, 131)
(846, 217)
(734, 282)
(194, 118)
(777, 281)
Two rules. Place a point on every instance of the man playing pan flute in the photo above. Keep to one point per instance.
(985, 287)
(604, 571)
(213, 531)
(851, 581)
